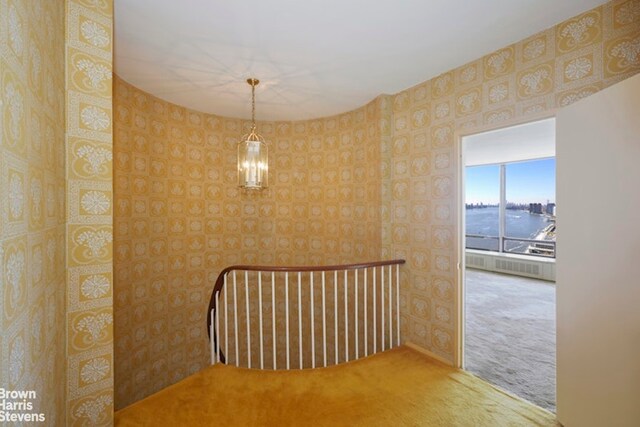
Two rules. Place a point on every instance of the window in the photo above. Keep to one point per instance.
(482, 207)
(524, 222)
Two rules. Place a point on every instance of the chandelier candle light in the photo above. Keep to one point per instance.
(253, 153)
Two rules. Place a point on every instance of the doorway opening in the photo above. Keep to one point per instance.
(509, 211)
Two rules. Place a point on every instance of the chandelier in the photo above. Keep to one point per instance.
(253, 153)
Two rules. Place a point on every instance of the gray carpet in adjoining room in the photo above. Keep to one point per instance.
(510, 335)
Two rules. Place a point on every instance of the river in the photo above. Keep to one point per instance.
(484, 221)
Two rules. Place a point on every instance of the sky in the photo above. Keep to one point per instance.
(526, 182)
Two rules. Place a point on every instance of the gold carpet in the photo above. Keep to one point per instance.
(399, 387)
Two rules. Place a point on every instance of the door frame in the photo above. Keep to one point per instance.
(459, 245)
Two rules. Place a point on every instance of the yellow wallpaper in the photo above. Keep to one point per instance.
(32, 203)
(376, 182)
(548, 70)
(180, 219)
(89, 213)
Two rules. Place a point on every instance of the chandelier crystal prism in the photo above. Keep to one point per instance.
(253, 153)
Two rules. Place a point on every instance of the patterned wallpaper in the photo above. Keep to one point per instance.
(32, 203)
(180, 219)
(89, 216)
(378, 182)
(548, 70)
(56, 197)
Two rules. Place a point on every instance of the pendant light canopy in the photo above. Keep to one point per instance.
(253, 153)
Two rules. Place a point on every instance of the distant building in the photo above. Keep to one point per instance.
(551, 209)
(535, 208)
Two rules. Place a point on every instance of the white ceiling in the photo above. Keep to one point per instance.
(314, 57)
(535, 140)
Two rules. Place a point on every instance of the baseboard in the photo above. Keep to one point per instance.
(426, 352)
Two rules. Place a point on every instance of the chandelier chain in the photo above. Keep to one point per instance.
(252, 135)
(253, 105)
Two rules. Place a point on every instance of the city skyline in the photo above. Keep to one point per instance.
(526, 182)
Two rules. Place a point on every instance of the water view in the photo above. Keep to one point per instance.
(529, 189)
(519, 223)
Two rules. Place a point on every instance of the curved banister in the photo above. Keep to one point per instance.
(262, 268)
(304, 268)
(307, 268)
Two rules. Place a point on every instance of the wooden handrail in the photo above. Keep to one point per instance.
(307, 268)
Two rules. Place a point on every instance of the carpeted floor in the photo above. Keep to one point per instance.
(398, 387)
(510, 334)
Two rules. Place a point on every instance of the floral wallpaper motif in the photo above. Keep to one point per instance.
(180, 219)
(32, 202)
(548, 70)
(378, 182)
(89, 213)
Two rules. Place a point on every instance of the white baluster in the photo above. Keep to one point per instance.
(346, 318)
(260, 317)
(390, 302)
(375, 318)
(313, 332)
(356, 310)
(324, 322)
(300, 318)
(246, 290)
(366, 319)
(213, 350)
(226, 321)
(335, 314)
(398, 304)
(273, 316)
(235, 315)
(217, 313)
(382, 308)
(286, 309)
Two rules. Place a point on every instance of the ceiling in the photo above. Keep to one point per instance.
(314, 57)
(534, 140)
